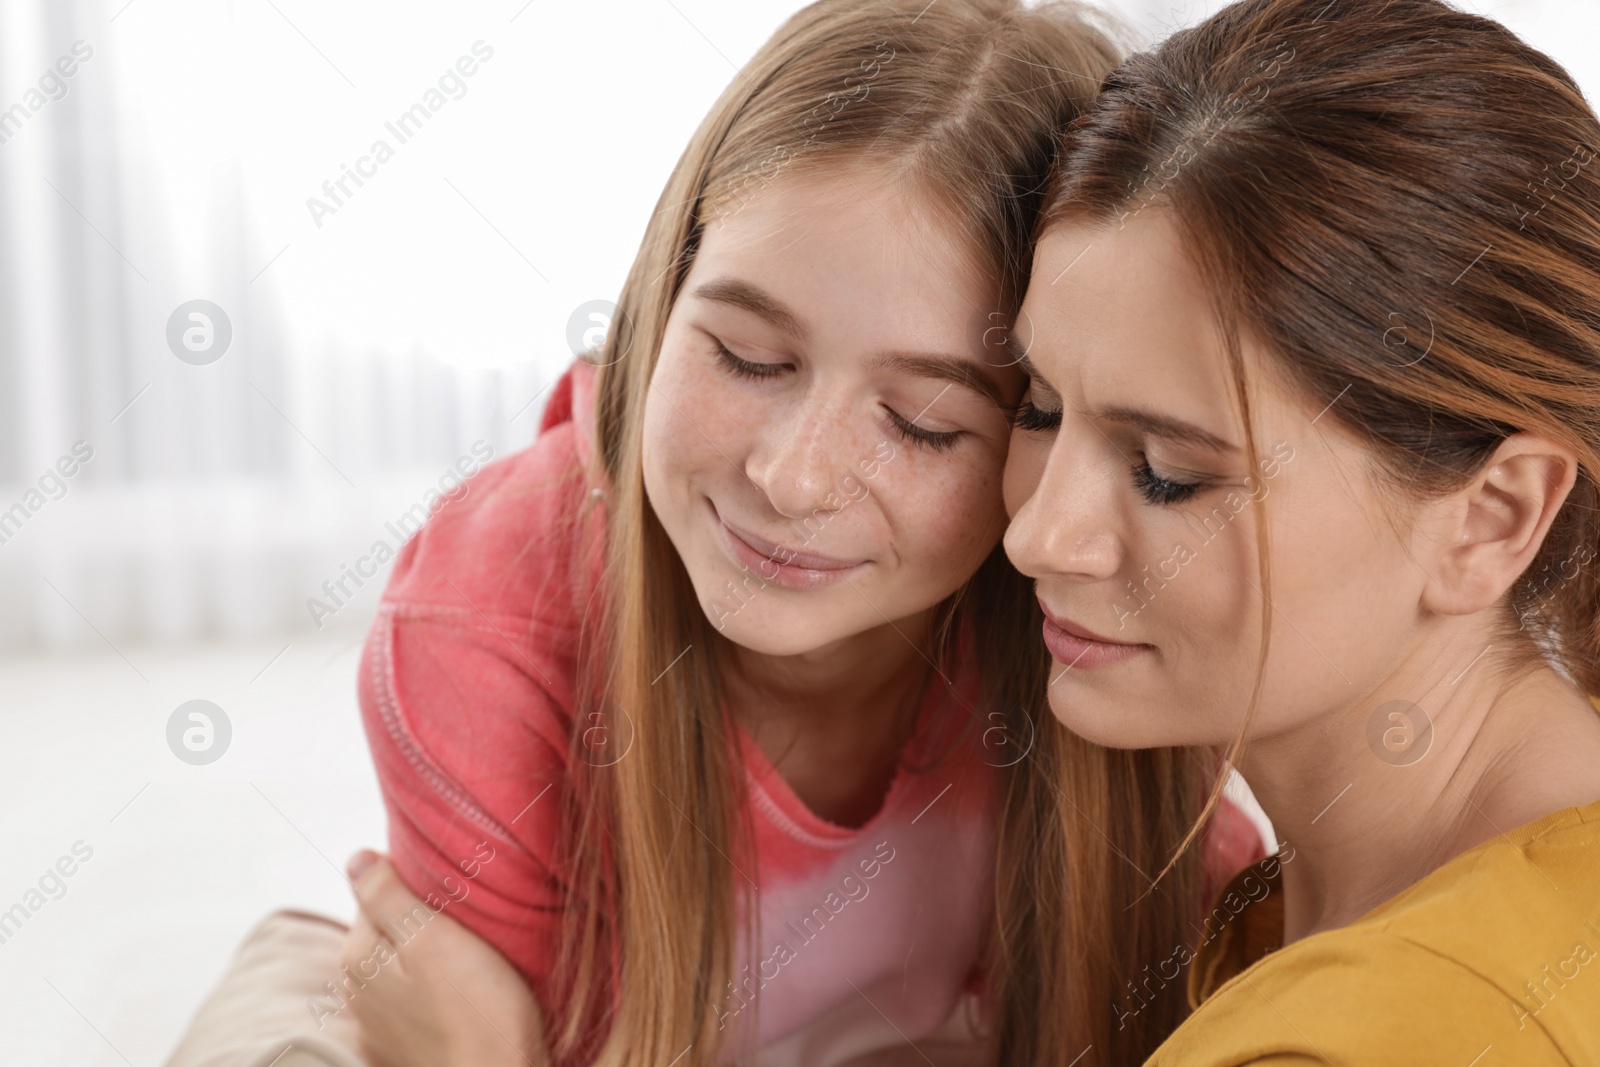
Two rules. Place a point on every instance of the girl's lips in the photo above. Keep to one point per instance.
(780, 565)
(1080, 648)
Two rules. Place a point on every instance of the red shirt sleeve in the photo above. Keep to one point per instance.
(466, 689)
(470, 752)
(1230, 843)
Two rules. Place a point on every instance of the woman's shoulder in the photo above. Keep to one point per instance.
(510, 542)
(1498, 948)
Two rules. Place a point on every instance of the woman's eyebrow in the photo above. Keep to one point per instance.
(1158, 425)
(962, 372)
(1017, 352)
(758, 302)
(1150, 422)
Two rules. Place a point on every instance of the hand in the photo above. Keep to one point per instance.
(434, 994)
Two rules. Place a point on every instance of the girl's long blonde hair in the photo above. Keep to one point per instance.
(965, 99)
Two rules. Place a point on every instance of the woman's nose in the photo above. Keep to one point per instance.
(1066, 527)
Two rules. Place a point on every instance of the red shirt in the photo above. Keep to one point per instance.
(865, 936)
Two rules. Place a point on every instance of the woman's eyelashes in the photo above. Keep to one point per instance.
(1155, 489)
(1160, 491)
(1035, 419)
(934, 440)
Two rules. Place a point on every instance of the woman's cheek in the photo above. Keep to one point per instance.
(1024, 467)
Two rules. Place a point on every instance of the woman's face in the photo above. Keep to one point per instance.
(1134, 509)
(823, 440)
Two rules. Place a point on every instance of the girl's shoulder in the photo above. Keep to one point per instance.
(467, 684)
(518, 537)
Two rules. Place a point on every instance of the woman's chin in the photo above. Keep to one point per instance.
(1099, 720)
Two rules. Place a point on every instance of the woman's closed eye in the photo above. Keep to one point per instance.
(1033, 419)
(1153, 487)
(1163, 492)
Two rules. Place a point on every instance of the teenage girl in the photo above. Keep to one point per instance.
(710, 711)
(1314, 339)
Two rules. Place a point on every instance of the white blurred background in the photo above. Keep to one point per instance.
(371, 348)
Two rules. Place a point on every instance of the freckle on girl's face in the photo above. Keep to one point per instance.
(815, 482)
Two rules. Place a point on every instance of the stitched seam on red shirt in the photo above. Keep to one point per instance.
(388, 710)
(781, 820)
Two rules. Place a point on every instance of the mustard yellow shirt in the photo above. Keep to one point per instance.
(1492, 959)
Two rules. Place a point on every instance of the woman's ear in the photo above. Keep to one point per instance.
(1482, 537)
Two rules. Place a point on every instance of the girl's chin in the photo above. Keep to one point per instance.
(782, 633)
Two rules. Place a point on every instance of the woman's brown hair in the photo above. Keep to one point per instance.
(1398, 201)
(964, 99)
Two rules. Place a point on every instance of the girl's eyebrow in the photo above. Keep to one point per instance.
(962, 372)
(758, 302)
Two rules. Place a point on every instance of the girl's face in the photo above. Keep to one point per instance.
(823, 440)
(1135, 513)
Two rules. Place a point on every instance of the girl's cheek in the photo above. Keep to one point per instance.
(952, 509)
(691, 413)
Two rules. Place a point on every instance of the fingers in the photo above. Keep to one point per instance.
(361, 945)
(394, 911)
(358, 864)
(379, 891)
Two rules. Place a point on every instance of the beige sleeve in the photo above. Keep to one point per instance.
(273, 1005)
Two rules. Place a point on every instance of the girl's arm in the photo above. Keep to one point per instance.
(445, 998)
(466, 691)
(433, 994)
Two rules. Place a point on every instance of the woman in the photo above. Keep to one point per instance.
(1307, 467)
(707, 711)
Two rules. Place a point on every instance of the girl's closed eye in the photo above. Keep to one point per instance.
(907, 429)
(935, 440)
(744, 368)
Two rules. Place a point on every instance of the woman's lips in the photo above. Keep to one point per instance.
(1081, 648)
(780, 565)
